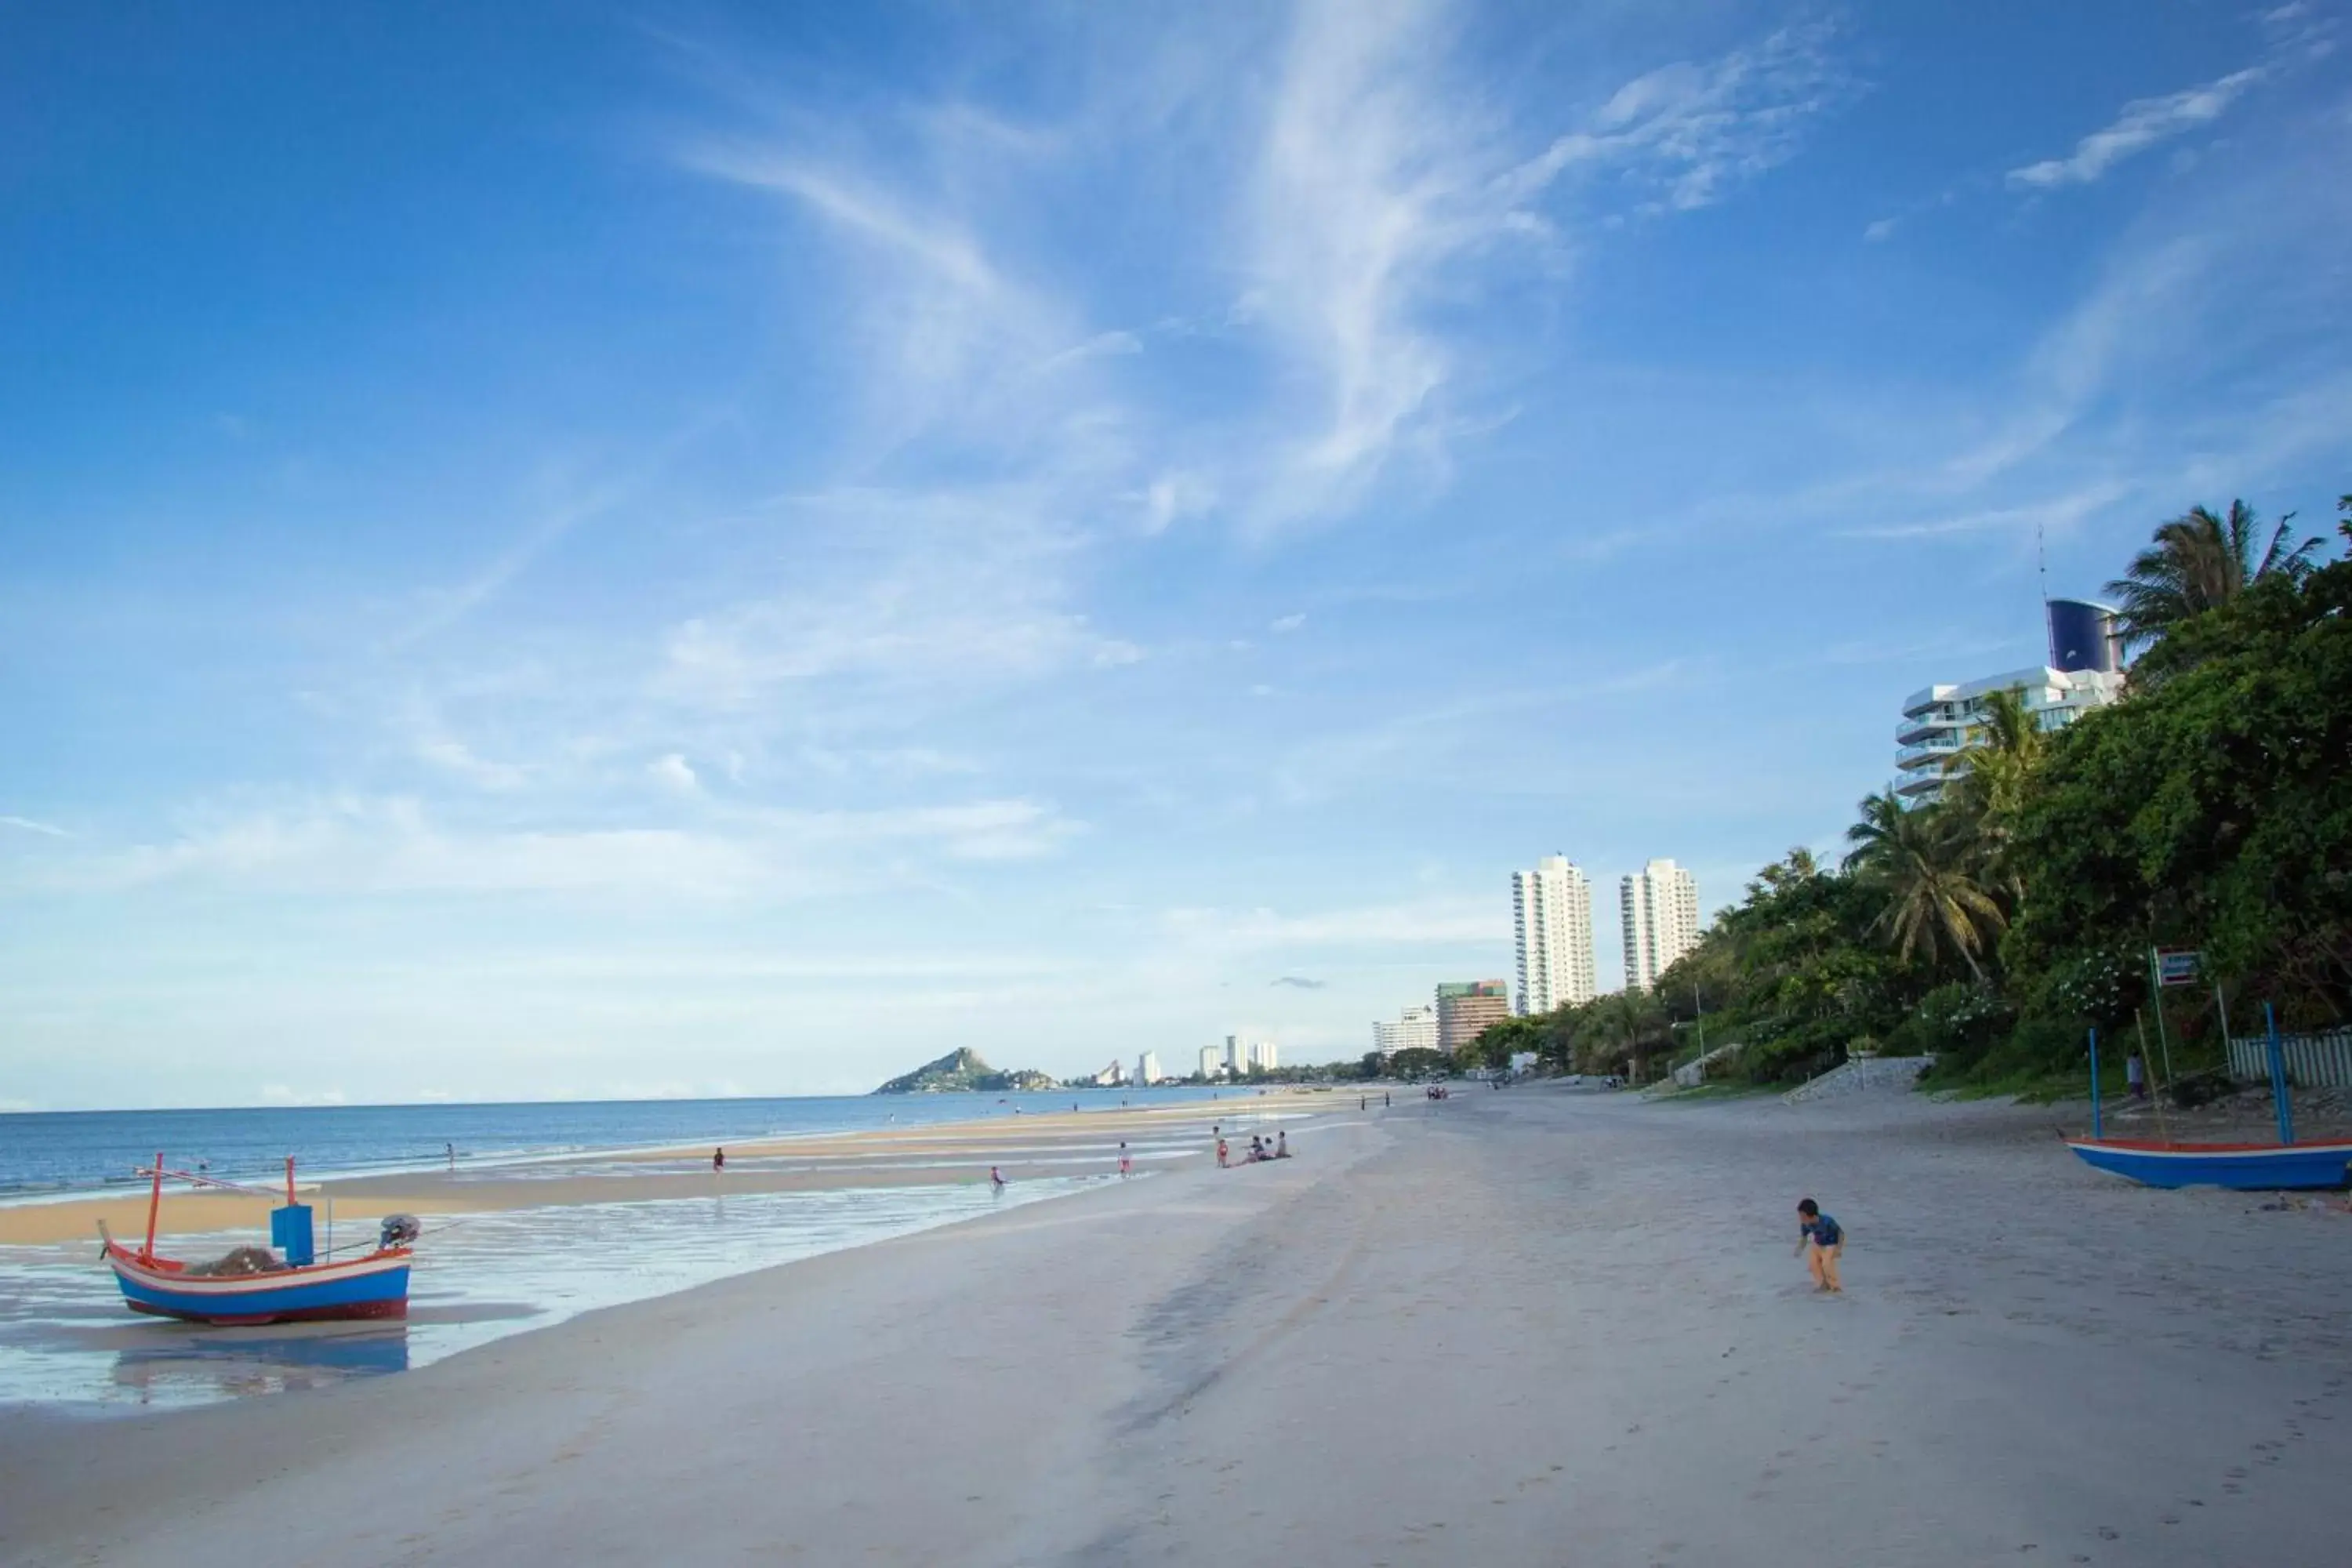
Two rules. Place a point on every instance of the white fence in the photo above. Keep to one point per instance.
(2313, 1061)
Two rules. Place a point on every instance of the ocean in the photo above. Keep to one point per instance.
(66, 1341)
(78, 1151)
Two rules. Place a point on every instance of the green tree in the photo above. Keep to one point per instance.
(1918, 861)
(2197, 563)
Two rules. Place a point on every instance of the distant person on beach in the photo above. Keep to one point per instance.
(1820, 1239)
(1363, 1103)
(1223, 1159)
(451, 1149)
(1281, 1146)
(996, 1179)
(1126, 1166)
(1384, 1097)
(718, 1159)
(2136, 1076)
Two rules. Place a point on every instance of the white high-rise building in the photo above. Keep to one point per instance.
(1235, 1060)
(1212, 1062)
(1941, 722)
(1414, 1030)
(1263, 1056)
(1661, 909)
(1147, 1068)
(1551, 919)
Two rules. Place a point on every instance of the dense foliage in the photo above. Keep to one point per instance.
(2210, 808)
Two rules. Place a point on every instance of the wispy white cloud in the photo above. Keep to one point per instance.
(27, 824)
(2143, 123)
(361, 846)
(1284, 624)
(1381, 193)
(674, 773)
(1690, 131)
(945, 589)
(1435, 922)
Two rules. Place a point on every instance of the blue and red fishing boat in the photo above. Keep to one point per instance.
(2284, 1166)
(2246, 1167)
(257, 1285)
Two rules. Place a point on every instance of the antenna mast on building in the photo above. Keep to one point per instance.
(2041, 566)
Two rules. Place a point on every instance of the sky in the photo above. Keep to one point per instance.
(655, 549)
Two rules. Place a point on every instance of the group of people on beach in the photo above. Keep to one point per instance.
(1259, 1149)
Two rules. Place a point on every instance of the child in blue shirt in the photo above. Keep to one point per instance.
(1820, 1239)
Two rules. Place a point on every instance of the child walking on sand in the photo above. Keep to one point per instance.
(1820, 1240)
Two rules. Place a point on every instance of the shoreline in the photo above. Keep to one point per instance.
(492, 1184)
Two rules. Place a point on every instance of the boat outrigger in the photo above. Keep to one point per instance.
(255, 1285)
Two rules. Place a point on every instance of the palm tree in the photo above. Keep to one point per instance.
(1922, 863)
(1989, 775)
(2197, 562)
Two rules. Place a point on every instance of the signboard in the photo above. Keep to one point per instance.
(2177, 965)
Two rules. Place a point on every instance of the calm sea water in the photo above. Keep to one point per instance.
(52, 1151)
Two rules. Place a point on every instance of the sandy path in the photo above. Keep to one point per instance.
(1524, 1328)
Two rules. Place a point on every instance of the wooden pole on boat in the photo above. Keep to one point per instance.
(154, 1207)
(2278, 1078)
(290, 1180)
(2097, 1129)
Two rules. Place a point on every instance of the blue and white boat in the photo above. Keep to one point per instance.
(2284, 1166)
(2242, 1167)
(255, 1285)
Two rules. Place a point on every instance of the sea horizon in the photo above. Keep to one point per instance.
(62, 1153)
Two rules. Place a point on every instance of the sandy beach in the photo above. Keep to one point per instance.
(1529, 1326)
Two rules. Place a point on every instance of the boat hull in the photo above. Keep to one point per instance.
(2242, 1167)
(371, 1287)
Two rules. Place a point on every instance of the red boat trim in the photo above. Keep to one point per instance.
(2152, 1148)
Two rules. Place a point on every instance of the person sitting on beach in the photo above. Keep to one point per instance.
(1281, 1146)
(1257, 1147)
(718, 1159)
(1822, 1239)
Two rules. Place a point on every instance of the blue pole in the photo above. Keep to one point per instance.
(2278, 1078)
(2096, 1130)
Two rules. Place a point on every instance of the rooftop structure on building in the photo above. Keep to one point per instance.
(1466, 1008)
(1551, 926)
(1941, 722)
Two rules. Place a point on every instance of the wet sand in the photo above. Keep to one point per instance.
(1531, 1327)
(958, 1151)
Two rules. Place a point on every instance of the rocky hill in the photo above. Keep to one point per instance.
(963, 1072)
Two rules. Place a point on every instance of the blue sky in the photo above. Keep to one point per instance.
(689, 550)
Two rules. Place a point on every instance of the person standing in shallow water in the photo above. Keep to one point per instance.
(718, 1159)
(1126, 1166)
(1820, 1239)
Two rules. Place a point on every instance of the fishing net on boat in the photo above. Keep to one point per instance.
(238, 1260)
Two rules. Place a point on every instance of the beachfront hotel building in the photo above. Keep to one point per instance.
(1941, 722)
(1212, 1062)
(1660, 906)
(1234, 1061)
(1465, 1008)
(1414, 1029)
(1147, 1068)
(1263, 1056)
(1551, 921)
